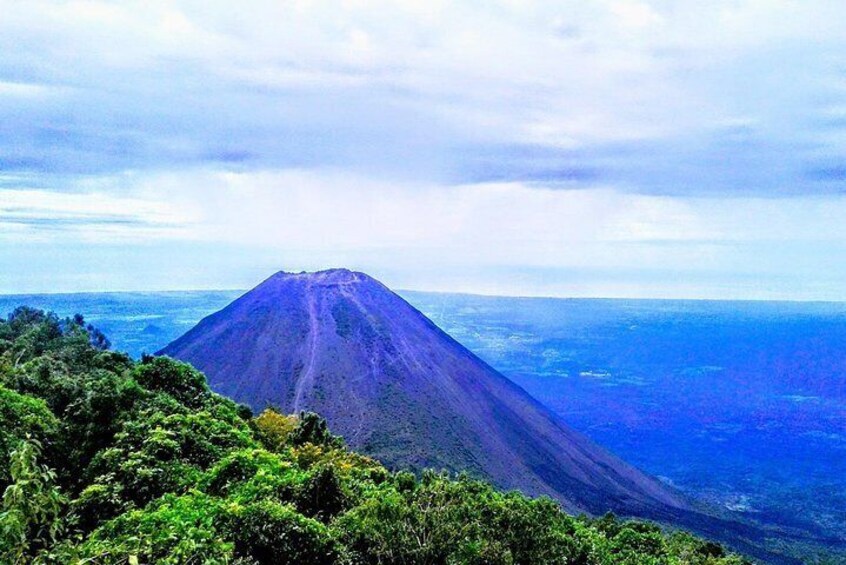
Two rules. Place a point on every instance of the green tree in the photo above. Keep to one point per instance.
(312, 428)
(276, 534)
(32, 505)
(21, 417)
(180, 380)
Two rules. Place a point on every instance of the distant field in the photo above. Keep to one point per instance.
(742, 404)
(135, 322)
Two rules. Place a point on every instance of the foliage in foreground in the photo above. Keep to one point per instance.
(107, 460)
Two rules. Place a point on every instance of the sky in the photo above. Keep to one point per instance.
(615, 148)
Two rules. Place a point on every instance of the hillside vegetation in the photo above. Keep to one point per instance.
(107, 460)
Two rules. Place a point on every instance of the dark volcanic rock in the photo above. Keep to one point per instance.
(398, 388)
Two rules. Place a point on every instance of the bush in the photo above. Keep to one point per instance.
(273, 533)
(250, 475)
(180, 380)
(322, 496)
(32, 504)
(97, 503)
(159, 453)
(21, 417)
(174, 530)
(313, 429)
(274, 429)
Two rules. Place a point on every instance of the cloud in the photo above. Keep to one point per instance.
(22, 90)
(409, 90)
(835, 173)
(636, 14)
(27, 215)
(495, 223)
(220, 228)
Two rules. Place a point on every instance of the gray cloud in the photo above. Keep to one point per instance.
(60, 224)
(834, 173)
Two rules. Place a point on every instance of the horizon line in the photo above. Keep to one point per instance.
(453, 293)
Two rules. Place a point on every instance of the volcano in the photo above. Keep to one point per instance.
(399, 389)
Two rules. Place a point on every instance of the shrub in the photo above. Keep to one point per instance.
(97, 503)
(322, 496)
(273, 533)
(30, 515)
(180, 380)
(273, 429)
(174, 530)
(313, 429)
(21, 417)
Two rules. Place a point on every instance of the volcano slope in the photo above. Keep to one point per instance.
(397, 388)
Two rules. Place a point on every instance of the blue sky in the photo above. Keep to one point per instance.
(600, 148)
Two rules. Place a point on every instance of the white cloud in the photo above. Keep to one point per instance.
(493, 224)
(636, 14)
(610, 78)
(21, 89)
(90, 217)
(461, 237)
